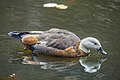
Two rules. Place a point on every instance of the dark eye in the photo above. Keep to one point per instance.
(95, 43)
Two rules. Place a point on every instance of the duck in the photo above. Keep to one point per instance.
(57, 42)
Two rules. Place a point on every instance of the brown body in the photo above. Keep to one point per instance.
(57, 42)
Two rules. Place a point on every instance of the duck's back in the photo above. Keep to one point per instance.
(58, 38)
(55, 42)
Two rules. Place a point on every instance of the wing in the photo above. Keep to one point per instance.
(55, 38)
(60, 39)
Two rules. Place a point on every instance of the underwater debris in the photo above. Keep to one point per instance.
(61, 6)
(55, 5)
(12, 76)
(50, 5)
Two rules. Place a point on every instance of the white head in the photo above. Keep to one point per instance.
(91, 43)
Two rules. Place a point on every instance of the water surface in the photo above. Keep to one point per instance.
(97, 18)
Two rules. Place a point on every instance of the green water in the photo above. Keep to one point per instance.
(97, 18)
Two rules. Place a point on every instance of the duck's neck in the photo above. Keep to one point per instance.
(84, 49)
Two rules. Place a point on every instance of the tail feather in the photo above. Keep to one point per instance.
(17, 35)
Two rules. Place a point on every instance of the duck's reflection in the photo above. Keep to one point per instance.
(59, 65)
(92, 64)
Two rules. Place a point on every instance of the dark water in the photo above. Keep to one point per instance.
(97, 18)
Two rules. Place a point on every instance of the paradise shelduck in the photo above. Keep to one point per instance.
(57, 42)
